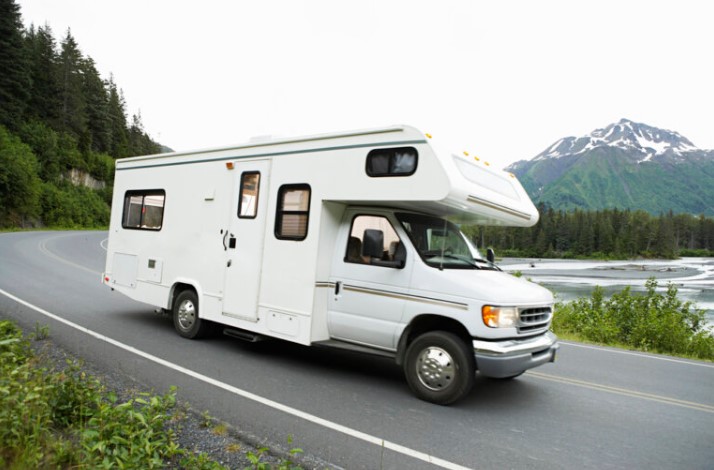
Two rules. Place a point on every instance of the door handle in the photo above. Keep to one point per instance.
(338, 287)
(225, 248)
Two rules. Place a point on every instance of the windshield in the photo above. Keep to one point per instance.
(440, 243)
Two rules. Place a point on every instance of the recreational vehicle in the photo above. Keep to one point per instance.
(348, 240)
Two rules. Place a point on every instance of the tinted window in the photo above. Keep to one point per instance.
(400, 161)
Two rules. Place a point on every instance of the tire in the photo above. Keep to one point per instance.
(439, 367)
(187, 321)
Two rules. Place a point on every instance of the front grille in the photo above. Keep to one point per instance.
(532, 319)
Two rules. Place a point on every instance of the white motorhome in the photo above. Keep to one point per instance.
(349, 240)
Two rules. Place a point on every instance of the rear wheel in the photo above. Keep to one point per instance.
(186, 319)
(439, 367)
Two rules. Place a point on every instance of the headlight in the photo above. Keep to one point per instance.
(499, 317)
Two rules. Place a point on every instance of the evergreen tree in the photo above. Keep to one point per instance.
(664, 243)
(139, 141)
(97, 106)
(73, 111)
(44, 102)
(119, 144)
(14, 74)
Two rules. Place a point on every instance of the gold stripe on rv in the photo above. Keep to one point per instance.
(396, 295)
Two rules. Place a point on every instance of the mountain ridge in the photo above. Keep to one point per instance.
(625, 165)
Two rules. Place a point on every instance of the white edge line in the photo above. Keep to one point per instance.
(630, 353)
(251, 396)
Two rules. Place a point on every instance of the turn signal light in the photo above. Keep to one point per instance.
(490, 316)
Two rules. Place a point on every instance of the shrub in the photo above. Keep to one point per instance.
(62, 419)
(649, 322)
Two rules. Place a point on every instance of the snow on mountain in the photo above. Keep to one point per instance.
(648, 141)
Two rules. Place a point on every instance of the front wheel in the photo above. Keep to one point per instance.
(440, 367)
(186, 320)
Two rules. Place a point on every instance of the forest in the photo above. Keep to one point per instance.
(61, 128)
(606, 234)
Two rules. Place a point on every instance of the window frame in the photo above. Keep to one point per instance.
(144, 193)
(280, 212)
(240, 194)
(393, 151)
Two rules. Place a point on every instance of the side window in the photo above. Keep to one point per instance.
(400, 161)
(144, 210)
(249, 189)
(293, 212)
(374, 241)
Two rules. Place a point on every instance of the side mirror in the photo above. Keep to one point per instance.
(373, 243)
(490, 255)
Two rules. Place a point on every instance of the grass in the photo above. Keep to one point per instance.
(63, 418)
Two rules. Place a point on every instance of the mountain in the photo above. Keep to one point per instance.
(626, 165)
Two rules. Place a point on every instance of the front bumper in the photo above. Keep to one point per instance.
(502, 359)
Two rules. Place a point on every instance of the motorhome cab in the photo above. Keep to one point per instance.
(349, 240)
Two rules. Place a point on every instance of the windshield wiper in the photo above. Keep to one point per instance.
(470, 262)
(487, 262)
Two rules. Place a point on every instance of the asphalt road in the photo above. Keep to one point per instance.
(594, 408)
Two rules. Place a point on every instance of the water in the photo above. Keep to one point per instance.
(570, 279)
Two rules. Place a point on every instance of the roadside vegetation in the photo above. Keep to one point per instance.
(654, 322)
(63, 418)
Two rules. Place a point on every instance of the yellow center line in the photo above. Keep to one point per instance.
(624, 391)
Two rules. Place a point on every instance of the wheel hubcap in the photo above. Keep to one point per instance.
(435, 368)
(186, 315)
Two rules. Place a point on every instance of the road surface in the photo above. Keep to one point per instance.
(594, 408)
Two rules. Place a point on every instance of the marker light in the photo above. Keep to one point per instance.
(476, 158)
(466, 153)
(499, 317)
(486, 163)
(229, 165)
(428, 135)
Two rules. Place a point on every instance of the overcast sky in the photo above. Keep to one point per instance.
(501, 79)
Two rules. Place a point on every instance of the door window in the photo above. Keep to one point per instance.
(249, 190)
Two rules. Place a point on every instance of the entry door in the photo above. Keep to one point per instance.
(370, 284)
(244, 238)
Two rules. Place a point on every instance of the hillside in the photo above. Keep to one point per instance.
(61, 127)
(626, 165)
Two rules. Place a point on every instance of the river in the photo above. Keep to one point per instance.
(570, 279)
